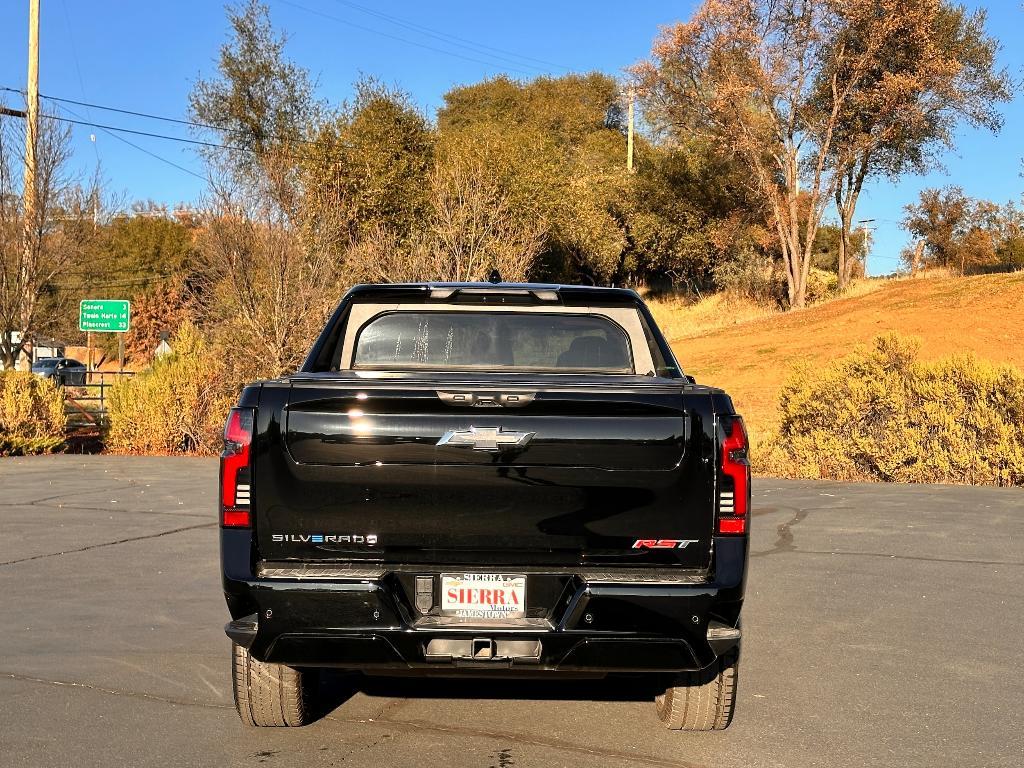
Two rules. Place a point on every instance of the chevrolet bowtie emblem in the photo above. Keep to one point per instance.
(485, 438)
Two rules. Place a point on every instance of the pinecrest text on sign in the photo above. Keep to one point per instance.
(104, 315)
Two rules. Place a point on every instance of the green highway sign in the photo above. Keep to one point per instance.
(104, 315)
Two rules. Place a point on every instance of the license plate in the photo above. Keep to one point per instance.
(483, 595)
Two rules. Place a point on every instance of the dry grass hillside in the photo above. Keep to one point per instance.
(751, 358)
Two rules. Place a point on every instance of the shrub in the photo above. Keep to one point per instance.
(179, 405)
(881, 414)
(821, 285)
(31, 414)
(754, 276)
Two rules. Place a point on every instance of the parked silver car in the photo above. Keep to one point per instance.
(62, 371)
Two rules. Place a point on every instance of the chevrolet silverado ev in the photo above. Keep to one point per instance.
(486, 480)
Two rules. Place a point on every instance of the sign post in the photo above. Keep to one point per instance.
(105, 316)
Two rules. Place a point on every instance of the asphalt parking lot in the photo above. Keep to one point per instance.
(883, 627)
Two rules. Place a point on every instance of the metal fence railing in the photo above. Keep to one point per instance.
(86, 404)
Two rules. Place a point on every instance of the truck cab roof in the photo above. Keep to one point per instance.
(541, 293)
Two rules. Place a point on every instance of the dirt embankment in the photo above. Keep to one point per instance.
(983, 315)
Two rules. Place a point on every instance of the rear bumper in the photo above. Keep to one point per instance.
(587, 621)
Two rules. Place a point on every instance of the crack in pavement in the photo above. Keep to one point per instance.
(784, 542)
(390, 707)
(121, 485)
(113, 691)
(890, 556)
(536, 741)
(109, 543)
(39, 502)
(120, 510)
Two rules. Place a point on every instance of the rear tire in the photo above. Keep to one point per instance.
(701, 701)
(269, 695)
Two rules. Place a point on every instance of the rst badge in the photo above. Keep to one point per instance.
(663, 543)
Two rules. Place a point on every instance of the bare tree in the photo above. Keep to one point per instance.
(270, 266)
(471, 228)
(35, 254)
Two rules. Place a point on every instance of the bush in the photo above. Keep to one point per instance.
(881, 414)
(179, 405)
(821, 285)
(31, 414)
(754, 276)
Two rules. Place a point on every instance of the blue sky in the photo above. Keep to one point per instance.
(145, 56)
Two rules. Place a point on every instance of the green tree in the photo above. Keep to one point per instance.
(369, 166)
(690, 213)
(936, 69)
(557, 146)
(261, 102)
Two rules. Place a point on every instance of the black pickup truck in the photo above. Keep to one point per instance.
(487, 480)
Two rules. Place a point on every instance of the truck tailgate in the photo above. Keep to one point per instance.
(525, 474)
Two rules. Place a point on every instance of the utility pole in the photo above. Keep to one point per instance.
(29, 202)
(31, 133)
(629, 133)
(865, 232)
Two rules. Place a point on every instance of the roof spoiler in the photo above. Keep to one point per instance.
(496, 295)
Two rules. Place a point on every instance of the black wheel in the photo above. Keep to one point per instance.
(268, 695)
(701, 701)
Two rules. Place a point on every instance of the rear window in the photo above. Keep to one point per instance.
(493, 341)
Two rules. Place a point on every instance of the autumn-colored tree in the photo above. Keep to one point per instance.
(957, 232)
(268, 281)
(773, 83)
(161, 310)
(936, 68)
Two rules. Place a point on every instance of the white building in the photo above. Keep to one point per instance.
(41, 347)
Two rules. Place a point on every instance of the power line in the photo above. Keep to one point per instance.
(145, 151)
(151, 135)
(452, 39)
(135, 113)
(148, 134)
(164, 118)
(405, 40)
(113, 130)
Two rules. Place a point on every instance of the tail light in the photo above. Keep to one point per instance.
(734, 496)
(234, 469)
